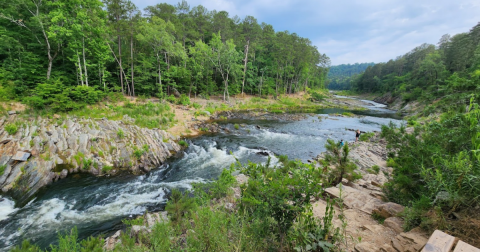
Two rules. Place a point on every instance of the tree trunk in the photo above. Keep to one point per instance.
(120, 60)
(131, 54)
(80, 68)
(245, 64)
(84, 61)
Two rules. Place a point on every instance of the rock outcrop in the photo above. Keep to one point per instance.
(61, 147)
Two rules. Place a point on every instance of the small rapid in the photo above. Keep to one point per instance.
(96, 205)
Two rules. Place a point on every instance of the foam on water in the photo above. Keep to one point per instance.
(7, 207)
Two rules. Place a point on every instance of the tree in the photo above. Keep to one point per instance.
(158, 35)
(338, 157)
(224, 57)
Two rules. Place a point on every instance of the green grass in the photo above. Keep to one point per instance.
(11, 128)
(149, 115)
(2, 169)
(106, 168)
(183, 143)
(366, 136)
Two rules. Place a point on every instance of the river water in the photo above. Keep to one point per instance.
(96, 205)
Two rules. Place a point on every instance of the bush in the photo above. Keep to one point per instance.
(120, 134)
(435, 166)
(107, 168)
(172, 99)
(317, 97)
(178, 205)
(184, 100)
(62, 98)
(11, 129)
(183, 143)
(236, 126)
(366, 136)
(338, 157)
(196, 105)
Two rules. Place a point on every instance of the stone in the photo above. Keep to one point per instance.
(354, 198)
(136, 230)
(12, 112)
(241, 179)
(394, 223)
(388, 209)
(63, 173)
(21, 156)
(412, 241)
(111, 241)
(387, 248)
(365, 247)
(229, 207)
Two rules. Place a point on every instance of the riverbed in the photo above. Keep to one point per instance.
(97, 205)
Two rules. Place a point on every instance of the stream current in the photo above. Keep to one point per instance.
(96, 205)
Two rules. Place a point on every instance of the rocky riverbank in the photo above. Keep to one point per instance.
(45, 150)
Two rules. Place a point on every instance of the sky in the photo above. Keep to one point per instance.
(355, 31)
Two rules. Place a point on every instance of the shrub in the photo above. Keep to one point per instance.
(196, 105)
(107, 168)
(338, 157)
(178, 205)
(62, 98)
(172, 99)
(120, 134)
(236, 126)
(374, 170)
(184, 100)
(183, 143)
(366, 136)
(11, 128)
(436, 165)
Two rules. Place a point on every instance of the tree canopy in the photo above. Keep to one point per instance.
(111, 46)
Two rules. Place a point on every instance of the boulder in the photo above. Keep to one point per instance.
(241, 179)
(394, 223)
(388, 209)
(412, 241)
(137, 230)
(111, 241)
(63, 174)
(365, 247)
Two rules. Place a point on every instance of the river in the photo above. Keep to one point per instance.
(96, 205)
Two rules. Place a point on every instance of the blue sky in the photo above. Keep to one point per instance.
(351, 31)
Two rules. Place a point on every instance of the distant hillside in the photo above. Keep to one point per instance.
(341, 76)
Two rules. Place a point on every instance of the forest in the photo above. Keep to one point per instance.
(449, 70)
(63, 54)
(340, 77)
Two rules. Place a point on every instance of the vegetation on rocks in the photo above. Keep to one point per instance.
(437, 171)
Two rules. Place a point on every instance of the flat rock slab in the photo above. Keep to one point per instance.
(463, 247)
(355, 199)
(439, 242)
(21, 156)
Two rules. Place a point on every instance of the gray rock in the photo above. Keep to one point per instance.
(63, 174)
(12, 112)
